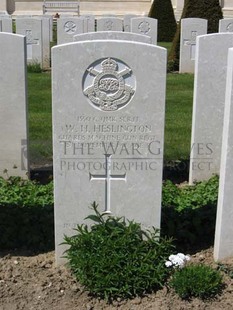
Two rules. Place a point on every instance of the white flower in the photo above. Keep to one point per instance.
(172, 257)
(177, 261)
(168, 263)
(181, 255)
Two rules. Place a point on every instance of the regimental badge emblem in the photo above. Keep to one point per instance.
(70, 27)
(230, 27)
(144, 27)
(109, 84)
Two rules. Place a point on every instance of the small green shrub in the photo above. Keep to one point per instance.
(34, 67)
(197, 281)
(26, 215)
(189, 214)
(25, 193)
(116, 258)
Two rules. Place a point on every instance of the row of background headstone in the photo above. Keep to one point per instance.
(67, 27)
(39, 31)
(209, 99)
(191, 28)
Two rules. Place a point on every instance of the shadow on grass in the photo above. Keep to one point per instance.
(192, 229)
(26, 228)
(176, 171)
(32, 228)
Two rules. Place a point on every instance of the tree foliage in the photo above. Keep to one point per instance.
(163, 12)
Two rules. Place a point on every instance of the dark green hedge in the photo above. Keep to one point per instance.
(163, 12)
(207, 9)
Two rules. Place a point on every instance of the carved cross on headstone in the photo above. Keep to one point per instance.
(192, 43)
(108, 177)
(29, 38)
(30, 41)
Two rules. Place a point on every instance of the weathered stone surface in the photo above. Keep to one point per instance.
(108, 132)
(32, 29)
(208, 105)
(127, 22)
(6, 22)
(13, 106)
(226, 25)
(146, 26)
(223, 247)
(88, 23)
(67, 27)
(112, 35)
(190, 29)
(109, 24)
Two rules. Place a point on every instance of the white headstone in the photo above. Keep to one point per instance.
(50, 17)
(190, 29)
(223, 246)
(226, 25)
(109, 24)
(208, 105)
(13, 106)
(108, 125)
(6, 22)
(32, 29)
(46, 39)
(146, 26)
(127, 22)
(112, 35)
(46, 30)
(67, 28)
(88, 23)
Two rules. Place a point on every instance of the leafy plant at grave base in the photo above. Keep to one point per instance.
(25, 193)
(26, 215)
(228, 270)
(189, 212)
(197, 281)
(116, 258)
(34, 67)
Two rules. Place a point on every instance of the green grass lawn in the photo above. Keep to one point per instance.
(166, 45)
(40, 117)
(178, 122)
(178, 117)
